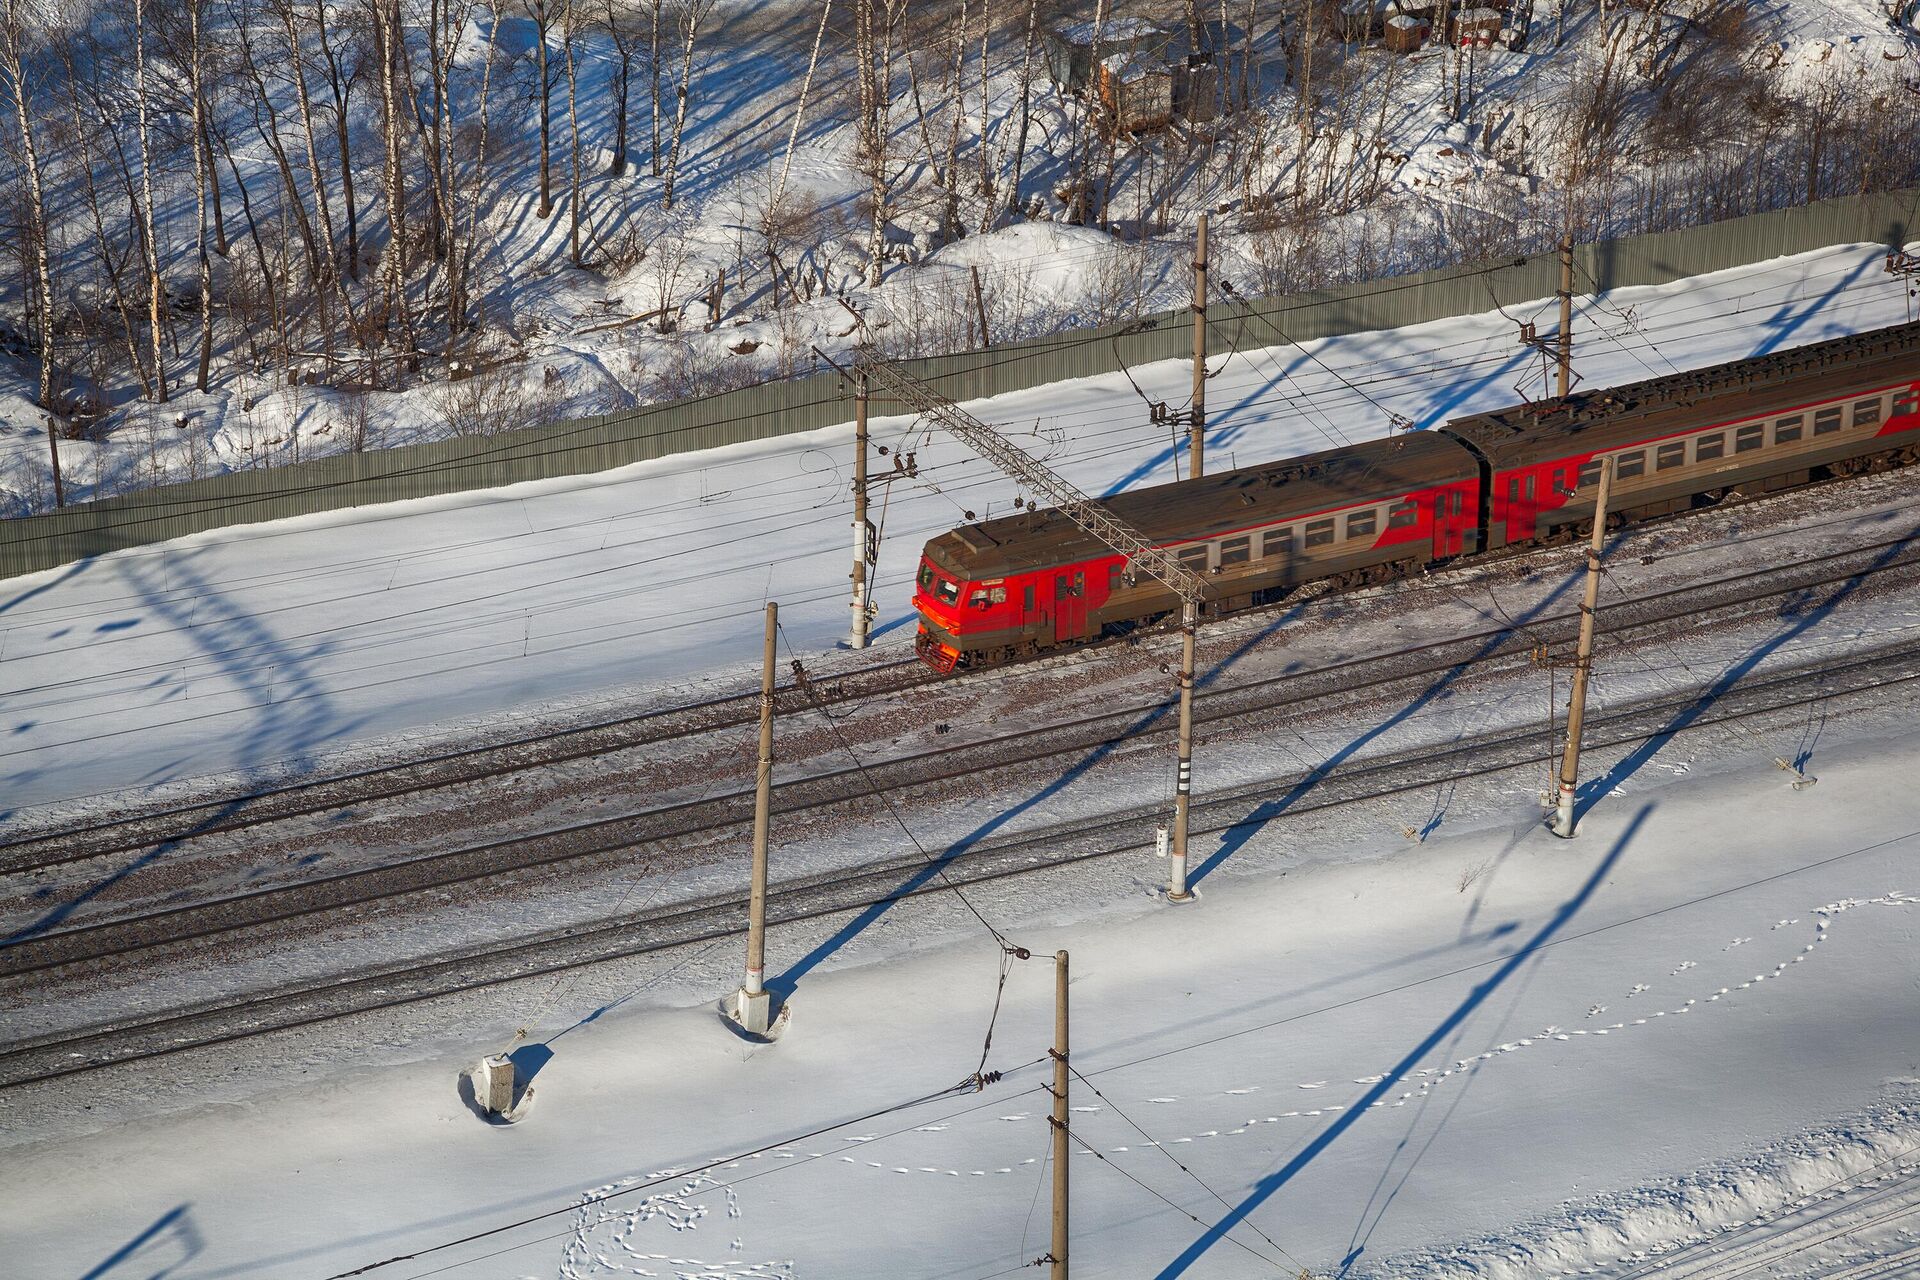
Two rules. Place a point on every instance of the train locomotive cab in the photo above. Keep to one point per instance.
(958, 616)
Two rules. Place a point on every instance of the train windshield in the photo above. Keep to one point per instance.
(946, 592)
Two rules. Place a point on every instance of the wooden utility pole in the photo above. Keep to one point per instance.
(863, 539)
(1583, 660)
(1057, 1254)
(1197, 420)
(1566, 319)
(752, 1003)
(980, 306)
(1177, 890)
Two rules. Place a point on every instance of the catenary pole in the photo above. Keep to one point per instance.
(862, 530)
(1197, 419)
(1058, 1252)
(753, 1004)
(1177, 890)
(1566, 315)
(1583, 659)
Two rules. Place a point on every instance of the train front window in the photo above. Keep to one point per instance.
(947, 592)
(926, 576)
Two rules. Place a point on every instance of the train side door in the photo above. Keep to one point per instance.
(1069, 605)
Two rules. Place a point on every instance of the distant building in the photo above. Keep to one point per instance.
(1145, 74)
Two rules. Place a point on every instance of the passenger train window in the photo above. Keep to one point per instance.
(1320, 532)
(1402, 514)
(1826, 421)
(1235, 550)
(1905, 402)
(1459, 501)
(1065, 588)
(1866, 412)
(1590, 474)
(1513, 489)
(1363, 524)
(1026, 600)
(1669, 456)
(1749, 438)
(1194, 557)
(1787, 430)
(1628, 465)
(1278, 542)
(1713, 446)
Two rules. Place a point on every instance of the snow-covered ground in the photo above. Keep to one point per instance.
(1683, 1044)
(287, 643)
(1495, 1055)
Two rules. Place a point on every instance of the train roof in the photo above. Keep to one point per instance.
(1602, 419)
(1376, 470)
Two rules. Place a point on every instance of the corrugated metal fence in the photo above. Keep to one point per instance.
(777, 408)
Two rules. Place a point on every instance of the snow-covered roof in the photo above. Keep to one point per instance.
(1113, 29)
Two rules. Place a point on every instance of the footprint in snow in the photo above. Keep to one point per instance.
(1638, 987)
(931, 1128)
(1086, 1108)
(1684, 966)
(1317, 1084)
(1255, 1089)
(1022, 1116)
(1736, 942)
(1163, 1099)
(1596, 1011)
(1368, 1079)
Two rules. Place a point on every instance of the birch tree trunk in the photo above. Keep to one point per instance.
(201, 176)
(13, 73)
(693, 13)
(653, 70)
(542, 20)
(800, 107)
(155, 290)
(1026, 107)
(340, 85)
(567, 32)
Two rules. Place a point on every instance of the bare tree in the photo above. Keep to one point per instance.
(690, 16)
(155, 290)
(203, 176)
(13, 77)
(569, 27)
(621, 22)
(541, 11)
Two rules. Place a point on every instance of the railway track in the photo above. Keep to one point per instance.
(899, 878)
(1413, 673)
(245, 810)
(241, 811)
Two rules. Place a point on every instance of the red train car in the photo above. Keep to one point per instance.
(1371, 511)
(1032, 581)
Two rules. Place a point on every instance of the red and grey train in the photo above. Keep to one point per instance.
(1367, 512)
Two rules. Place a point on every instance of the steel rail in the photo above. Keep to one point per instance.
(834, 893)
